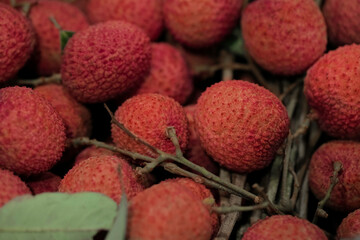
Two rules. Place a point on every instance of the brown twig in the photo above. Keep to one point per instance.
(271, 206)
(55, 78)
(304, 197)
(290, 88)
(235, 208)
(284, 201)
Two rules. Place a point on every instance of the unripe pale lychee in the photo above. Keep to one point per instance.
(105, 60)
(284, 227)
(17, 41)
(345, 196)
(146, 14)
(203, 23)
(241, 125)
(11, 186)
(332, 88)
(100, 174)
(343, 21)
(168, 211)
(32, 133)
(285, 36)
(169, 74)
(148, 116)
(45, 182)
(350, 226)
(76, 117)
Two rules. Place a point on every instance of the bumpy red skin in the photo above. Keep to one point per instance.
(48, 52)
(168, 211)
(100, 174)
(343, 21)
(169, 74)
(92, 151)
(241, 125)
(32, 133)
(148, 116)
(285, 37)
(77, 118)
(346, 194)
(146, 14)
(17, 41)
(200, 24)
(45, 182)
(350, 226)
(11, 186)
(284, 227)
(332, 88)
(195, 152)
(105, 60)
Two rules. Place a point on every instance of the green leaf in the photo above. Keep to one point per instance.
(118, 230)
(56, 216)
(65, 37)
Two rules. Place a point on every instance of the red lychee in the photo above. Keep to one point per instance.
(17, 41)
(241, 125)
(105, 60)
(32, 133)
(350, 226)
(45, 182)
(92, 151)
(284, 227)
(11, 186)
(48, 52)
(345, 196)
(148, 116)
(285, 36)
(200, 24)
(146, 14)
(332, 88)
(169, 74)
(343, 21)
(168, 211)
(100, 174)
(76, 117)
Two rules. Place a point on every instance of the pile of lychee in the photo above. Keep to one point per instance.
(142, 58)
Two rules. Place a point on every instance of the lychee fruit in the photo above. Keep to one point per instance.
(168, 211)
(350, 226)
(148, 116)
(284, 37)
(169, 74)
(332, 88)
(32, 133)
(11, 186)
(48, 51)
(284, 227)
(44, 182)
(345, 196)
(77, 118)
(146, 14)
(200, 24)
(241, 125)
(105, 60)
(17, 41)
(92, 151)
(100, 174)
(342, 19)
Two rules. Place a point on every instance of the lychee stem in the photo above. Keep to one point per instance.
(333, 181)
(55, 78)
(262, 193)
(284, 200)
(290, 88)
(274, 180)
(234, 208)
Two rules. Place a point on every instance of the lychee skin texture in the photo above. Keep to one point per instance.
(92, 151)
(77, 118)
(168, 211)
(169, 74)
(284, 37)
(17, 41)
(343, 21)
(32, 133)
(45, 182)
(346, 194)
(332, 88)
(284, 227)
(100, 174)
(48, 52)
(11, 186)
(200, 24)
(350, 226)
(146, 14)
(241, 125)
(105, 60)
(148, 116)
